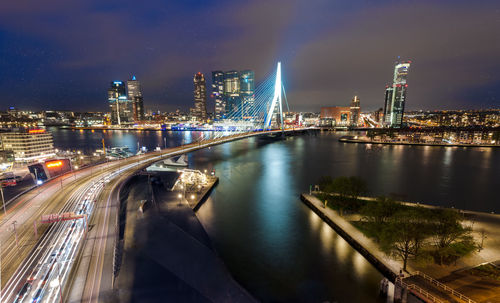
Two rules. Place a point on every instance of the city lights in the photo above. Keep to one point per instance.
(53, 164)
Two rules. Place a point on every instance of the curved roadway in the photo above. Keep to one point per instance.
(42, 269)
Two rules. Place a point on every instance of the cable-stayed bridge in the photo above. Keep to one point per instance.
(264, 113)
(49, 267)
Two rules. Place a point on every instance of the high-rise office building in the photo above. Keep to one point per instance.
(121, 108)
(355, 109)
(200, 96)
(247, 93)
(395, 96)
(134, 92)
(218, 94)
(232, 94)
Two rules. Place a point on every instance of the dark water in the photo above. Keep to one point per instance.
(88, 141)
(275, 246)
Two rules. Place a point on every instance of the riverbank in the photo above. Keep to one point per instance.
(363, 141)
(364, 245)
(456, 276)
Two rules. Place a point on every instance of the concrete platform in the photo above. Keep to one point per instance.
(168, 256)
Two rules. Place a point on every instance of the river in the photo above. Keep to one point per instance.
(275, 246)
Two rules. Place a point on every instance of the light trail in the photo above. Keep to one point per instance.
(54, 256)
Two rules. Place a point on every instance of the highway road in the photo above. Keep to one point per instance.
(67, 262)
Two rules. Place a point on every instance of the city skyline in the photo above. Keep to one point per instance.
(249, 151)
(46, 70)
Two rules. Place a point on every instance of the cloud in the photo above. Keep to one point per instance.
(452, 48)
(65, 53)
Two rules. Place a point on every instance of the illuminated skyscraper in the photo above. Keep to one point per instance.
(395, 96)
(247, 93)
(134, 91)
(120, 106)
(218, 94)
(232, 93)
(355, 109)
(200, 96)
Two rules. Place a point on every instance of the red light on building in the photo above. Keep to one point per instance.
(53, 164)
(36, 131)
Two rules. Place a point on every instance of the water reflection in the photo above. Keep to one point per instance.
(277, 247)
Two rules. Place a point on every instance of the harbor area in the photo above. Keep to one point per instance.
(167, 256)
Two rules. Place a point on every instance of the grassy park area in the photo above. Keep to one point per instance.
(404, 232)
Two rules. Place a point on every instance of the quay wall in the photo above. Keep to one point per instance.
(354, 237)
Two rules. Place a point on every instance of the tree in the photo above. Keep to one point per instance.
(403, 235)
(447, 227)
(380, 211)
(451, 239)
(325, 183)
(340, 186)
(356, 187)
(349, 187)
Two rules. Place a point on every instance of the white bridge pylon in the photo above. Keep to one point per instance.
(276, 99)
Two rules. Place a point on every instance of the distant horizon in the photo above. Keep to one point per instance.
(187, 110)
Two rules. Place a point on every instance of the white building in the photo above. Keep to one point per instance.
(29, 145)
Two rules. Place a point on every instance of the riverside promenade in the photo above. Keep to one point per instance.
(366, 141)
(419, 284)
(364, 245)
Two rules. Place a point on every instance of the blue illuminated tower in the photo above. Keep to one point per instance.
(276, 109)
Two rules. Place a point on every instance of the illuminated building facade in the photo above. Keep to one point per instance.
(218, 94)
(29, 145)
(340, 115)
(395, 96)
(120, 105)
(200, 96)
(355, 109)
(232, 92)
(134, 93)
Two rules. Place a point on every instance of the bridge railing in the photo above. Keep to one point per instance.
(445, 287)
(419, 291)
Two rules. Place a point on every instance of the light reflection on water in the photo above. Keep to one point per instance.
(278, 248)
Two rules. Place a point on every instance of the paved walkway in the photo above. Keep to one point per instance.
(367, 243)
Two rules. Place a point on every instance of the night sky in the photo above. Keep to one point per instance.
(61, 54)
